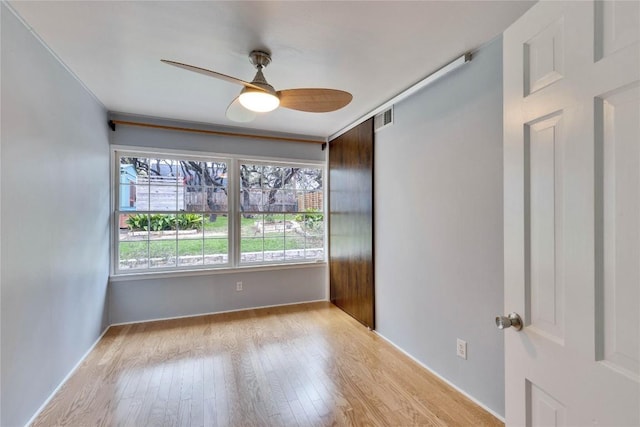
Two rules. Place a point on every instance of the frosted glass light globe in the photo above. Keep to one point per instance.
(259, 101)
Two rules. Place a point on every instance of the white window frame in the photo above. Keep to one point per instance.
(233, 189)
(238, 213)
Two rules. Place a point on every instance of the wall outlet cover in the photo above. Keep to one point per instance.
(461, 349)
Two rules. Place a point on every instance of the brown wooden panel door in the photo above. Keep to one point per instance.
(351, 223)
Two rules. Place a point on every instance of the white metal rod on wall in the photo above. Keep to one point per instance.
(407, 92)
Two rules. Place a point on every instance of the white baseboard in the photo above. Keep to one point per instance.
(66, 378)
(467, 395)
(215, 312)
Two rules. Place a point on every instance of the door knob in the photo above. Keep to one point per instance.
(510, 320)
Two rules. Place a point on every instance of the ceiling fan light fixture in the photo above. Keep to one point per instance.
(258, 96)
(258, 101)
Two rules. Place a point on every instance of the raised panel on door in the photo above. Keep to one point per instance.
(616, 26)
(544, 409)
(617, 118)
(544, 284)
(544, 58)
(351, 274)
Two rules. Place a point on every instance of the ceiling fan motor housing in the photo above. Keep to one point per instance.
(260, 59)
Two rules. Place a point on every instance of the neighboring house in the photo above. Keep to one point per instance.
(128, 176)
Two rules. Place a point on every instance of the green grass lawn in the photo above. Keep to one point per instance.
(210, 246)
(167, 248)
(221, 224)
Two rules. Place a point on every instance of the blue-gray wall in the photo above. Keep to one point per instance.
(438, 225)
(145, 299)
(54, 222)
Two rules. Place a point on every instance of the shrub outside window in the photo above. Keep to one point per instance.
(175, 213)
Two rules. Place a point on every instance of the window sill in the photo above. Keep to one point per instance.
(124, 277)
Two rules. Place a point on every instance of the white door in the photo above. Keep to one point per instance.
(572, 214)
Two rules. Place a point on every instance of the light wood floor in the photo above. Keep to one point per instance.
(307, 365)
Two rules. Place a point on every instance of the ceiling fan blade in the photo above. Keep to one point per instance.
(211, 74)
(237, 113)
(314, 100)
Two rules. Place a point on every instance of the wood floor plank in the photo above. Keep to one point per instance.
(300, 365)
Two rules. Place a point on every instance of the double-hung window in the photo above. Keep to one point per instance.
(171, 212)
(281, 213)
(189, 212)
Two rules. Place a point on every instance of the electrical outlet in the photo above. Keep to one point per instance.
(461, 349)
(238, 286)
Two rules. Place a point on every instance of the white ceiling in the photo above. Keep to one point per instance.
(372, 49)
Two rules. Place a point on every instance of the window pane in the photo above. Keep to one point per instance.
(164, 197)
(216, 243)
(158, 188)
(309, 179)
(252, 225)
(294, 238)
(280, 201)
(272, 177)
(216, 199)
(216, 251)
(314, 232)
(313, 222)
(251, 249)
(134, 226)
(133, 255)
(201, 174)
(162, 252)
(162, 240)
(131, 168)
(216, 174)
(189, 234)
(289, 178)
(189, 225)
(133, 237)
(252, 232)
(190, 252)
(289, 201)
(274, 225)
(216, 225)
(195, 199)
(250, 176)
(270, 201)
(309, 201)
(295, 248)
(274, 249)
(251, 200)
(128, 199)
(163, 171)
(191, 172)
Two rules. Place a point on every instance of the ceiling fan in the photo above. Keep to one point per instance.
(258, 96)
